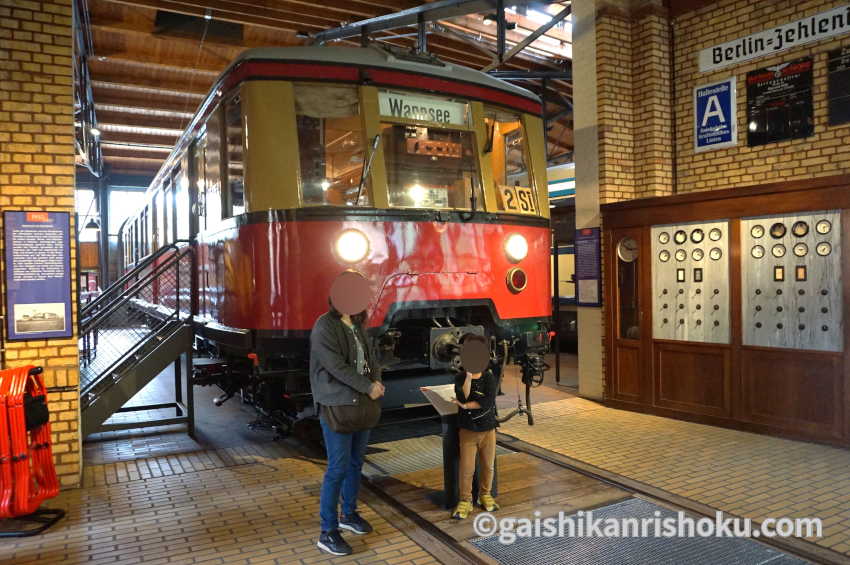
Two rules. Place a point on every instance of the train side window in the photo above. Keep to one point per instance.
(506, 146)
(212, 173)
(235, 152)
(181, 205)
(159, 220)
(168, 209)
(147, 230)
(330, 145)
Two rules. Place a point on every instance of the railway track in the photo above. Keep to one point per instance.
(451, 550)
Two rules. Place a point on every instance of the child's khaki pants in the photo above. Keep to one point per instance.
(484, 443)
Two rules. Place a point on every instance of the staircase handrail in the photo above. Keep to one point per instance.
(175, 246)
(91, 322)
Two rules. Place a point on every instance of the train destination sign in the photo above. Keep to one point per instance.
(780, 38)
(38, 274)
(424, 108)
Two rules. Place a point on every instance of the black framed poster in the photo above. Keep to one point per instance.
(38, 274)
(838, 77)
(779, 102)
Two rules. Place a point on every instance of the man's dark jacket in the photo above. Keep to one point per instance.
(333, 356)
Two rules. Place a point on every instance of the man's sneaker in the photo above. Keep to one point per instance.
(462, 510)
(332, 542)
(488, 503)
(354, 523)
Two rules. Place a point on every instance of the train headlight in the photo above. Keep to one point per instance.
(352, 246)
(516, 247)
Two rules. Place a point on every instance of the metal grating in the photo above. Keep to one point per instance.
(626, 551)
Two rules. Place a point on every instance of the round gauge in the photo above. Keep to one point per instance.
(823, 227)
(680, 237)
(627, 249)
(697, 235)
(824, 248)
(800, 229)
(697, 254)
(757, 251)
(681, 255)
(664, 238)
(778, 250)
(715, 234)
(757, 231)
(777, 230)
(664, 256)
(715, 254)
(801, 249)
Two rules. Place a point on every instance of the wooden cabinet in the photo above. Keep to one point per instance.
(768, 365)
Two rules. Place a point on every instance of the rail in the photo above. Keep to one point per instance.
(133, 316)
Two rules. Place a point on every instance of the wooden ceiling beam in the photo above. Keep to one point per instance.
(136, 30)
(237, 16)
(138, 138)
(130, 99)
(141, 120)
(147, 87)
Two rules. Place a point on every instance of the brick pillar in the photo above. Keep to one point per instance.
(623, 130)
(37, 173)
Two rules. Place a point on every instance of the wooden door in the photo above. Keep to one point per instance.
(628, 325)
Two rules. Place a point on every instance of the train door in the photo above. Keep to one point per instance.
(629, 364)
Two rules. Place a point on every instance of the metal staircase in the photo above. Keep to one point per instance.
(132, 332)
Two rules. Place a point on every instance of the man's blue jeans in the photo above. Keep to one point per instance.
(342, 477)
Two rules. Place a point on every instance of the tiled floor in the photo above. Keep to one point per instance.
(250, 505)
(745, 474)
(230, 496)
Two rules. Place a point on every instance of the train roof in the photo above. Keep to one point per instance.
(374, 56)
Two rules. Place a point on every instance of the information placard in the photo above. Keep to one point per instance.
(588, 262)
(779, 103)
(38, 274)
(715, 120)
(839, 86)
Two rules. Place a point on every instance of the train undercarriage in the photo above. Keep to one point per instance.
(418, 347)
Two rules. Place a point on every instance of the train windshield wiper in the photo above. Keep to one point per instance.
(368, 166)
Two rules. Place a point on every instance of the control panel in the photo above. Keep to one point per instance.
(690, 282)
(791, 281)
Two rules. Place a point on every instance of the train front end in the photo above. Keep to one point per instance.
(427, 179)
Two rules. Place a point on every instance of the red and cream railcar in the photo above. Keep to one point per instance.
(426, 177)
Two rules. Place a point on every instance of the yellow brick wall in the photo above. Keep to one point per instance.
(37, 173)
(822, 154)
(634, 110)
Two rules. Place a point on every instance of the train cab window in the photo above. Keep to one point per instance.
(506, 147)
(330, 145)
(429, 151)
(235, 145)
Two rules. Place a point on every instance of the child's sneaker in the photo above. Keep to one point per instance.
(488, 503)
(462, 510)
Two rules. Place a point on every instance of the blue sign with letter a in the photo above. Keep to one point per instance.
(715, 120)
